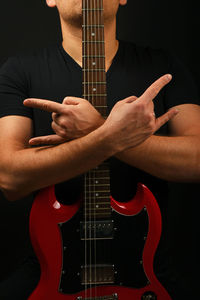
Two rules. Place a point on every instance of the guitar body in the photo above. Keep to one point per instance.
(58, 249)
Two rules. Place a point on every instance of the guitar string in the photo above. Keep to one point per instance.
(96, 80)
(94, 99)
(101, 75)
(89, 16)
(86, 175)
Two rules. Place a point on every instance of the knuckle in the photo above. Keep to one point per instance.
(140, 106)
(149, 117)
(62, 134)
(65, 99)
(45, 106)
(55, 116)
(62, 123)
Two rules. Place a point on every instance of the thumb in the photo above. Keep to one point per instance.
(130, 99)
(71, 100)
(47, 140)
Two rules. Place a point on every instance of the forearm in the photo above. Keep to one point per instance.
(169, 158)
(31, 169)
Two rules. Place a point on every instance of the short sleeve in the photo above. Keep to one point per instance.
(13, 89)
(181, 89)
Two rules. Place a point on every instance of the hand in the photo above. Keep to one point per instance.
(72, 119)
(132, 120)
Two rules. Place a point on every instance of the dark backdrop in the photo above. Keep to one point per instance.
(168, 24)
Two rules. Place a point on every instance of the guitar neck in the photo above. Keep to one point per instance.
(94, 75)
(97, 181)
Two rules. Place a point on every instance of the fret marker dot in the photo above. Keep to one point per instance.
(93, 34)
(96, 181)
(94, 63)
(96, 194)
(97, 206)
(94, 89)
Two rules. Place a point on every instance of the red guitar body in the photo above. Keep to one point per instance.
(46, 215)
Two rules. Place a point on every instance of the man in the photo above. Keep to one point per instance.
(55, 73)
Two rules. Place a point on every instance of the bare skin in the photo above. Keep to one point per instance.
(24, 169)
(71, 23)
(175, 158)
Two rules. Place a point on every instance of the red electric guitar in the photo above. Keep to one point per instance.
(83, 249)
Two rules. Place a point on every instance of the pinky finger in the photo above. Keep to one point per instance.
(165, 118)
(47, 140)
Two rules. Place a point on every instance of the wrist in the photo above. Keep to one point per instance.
(107, 142)
(135, 154)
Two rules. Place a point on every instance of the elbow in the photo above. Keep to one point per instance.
(10, 188)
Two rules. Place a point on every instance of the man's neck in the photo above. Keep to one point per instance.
(72, 42)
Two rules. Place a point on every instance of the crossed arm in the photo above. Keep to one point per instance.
(174, 158)
(24, 169)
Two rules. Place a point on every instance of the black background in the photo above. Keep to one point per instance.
(171, 24)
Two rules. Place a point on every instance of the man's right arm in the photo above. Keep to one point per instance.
(24, 169)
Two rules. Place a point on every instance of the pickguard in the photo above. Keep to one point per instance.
(123, 252)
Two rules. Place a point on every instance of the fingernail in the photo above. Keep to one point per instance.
(169, 76)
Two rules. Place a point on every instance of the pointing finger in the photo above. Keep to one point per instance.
(43, 104)
(155, 88)
(165, 118)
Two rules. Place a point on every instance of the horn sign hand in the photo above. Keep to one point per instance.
(76, 117)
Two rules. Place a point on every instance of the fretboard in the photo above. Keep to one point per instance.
(94, 75)
(97, 181)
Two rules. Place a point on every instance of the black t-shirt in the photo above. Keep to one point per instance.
(52, 74)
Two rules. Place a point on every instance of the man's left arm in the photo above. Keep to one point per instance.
(173, 158)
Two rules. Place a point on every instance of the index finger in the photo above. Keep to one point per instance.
(43, 104)
(155, 88)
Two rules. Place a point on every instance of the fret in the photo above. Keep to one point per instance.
(98, 183)
(93, 34)
(100, 197)
(91, 56)
(91, 70)
(92, 25)
(98, 95)
(106, 213)
(99, 215)
(99, 171)
(102, 183)
(92, 9)
(97, 106)
(98, 208)
(99, 83)
(100, 203)
(103, 178)
(96, 192)
(92, 90)
(94, 52)
(93, 42)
